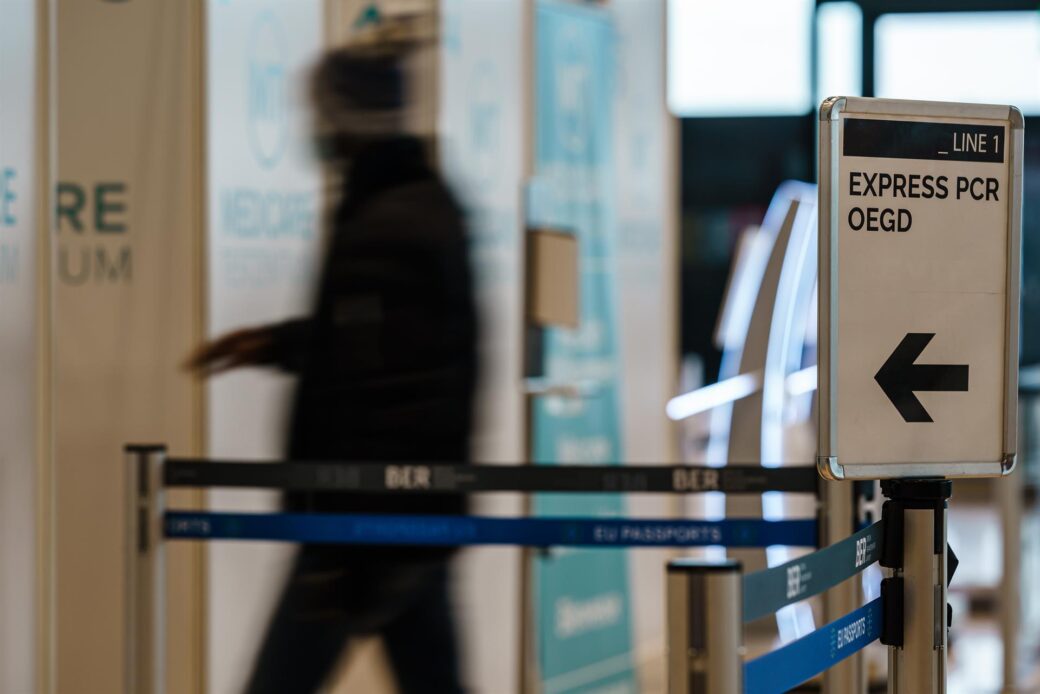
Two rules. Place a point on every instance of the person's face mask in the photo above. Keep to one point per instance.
(332, 147)
(325, 148)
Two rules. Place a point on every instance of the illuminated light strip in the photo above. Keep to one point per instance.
(802, 382)
(710, 397)
(733, 389)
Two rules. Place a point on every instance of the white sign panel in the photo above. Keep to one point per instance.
(920, 208)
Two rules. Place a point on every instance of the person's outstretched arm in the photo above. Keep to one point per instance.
(280, 345)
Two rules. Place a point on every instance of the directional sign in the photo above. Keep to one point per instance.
(900, 377)
(920, 211)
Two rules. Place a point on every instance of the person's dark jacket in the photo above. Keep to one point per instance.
(387, 364)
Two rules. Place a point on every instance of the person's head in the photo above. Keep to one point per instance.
(360, 91)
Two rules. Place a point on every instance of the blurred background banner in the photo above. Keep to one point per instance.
(583, 631)
(126, 312)
(264, 229)
(20, 356)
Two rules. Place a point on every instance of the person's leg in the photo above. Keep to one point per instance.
(421, 643)
(308, 630)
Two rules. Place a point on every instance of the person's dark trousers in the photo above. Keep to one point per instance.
(331, 598)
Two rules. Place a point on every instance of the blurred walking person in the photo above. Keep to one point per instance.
(386, 368)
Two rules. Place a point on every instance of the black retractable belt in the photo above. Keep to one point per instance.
(439, 478)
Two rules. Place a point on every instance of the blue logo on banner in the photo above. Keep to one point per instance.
(573, 89)
(485, 124)
(7, 197)
(267, 91)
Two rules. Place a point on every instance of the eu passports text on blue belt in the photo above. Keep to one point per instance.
(787, 667)
(481, 530)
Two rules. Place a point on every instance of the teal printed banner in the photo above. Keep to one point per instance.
(583, 605)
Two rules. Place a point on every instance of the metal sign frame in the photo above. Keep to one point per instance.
(830, 130)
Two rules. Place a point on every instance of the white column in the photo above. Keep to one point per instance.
(21, 591)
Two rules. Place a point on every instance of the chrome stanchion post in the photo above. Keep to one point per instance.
(1009, 497)
(145, 570)
(837, 521)
(705, 627)
(915, 549)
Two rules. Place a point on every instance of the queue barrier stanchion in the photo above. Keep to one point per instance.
(911, 617)
(148, 523)
(145, 593)
(839, 518)
(705, 627)
(714, 599)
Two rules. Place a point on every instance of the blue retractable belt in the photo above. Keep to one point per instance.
(767, 591)
(478, 530)
(798, 661)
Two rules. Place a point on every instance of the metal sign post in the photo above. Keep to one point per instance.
(837, 522)
(920, 235)
(917, 617)
(145, 571)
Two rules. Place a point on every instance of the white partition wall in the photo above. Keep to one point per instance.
(19, 355)
(482, 131)
(646, 145)
(264, 233)
(646, 149)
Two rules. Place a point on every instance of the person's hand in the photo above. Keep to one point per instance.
(247, 347)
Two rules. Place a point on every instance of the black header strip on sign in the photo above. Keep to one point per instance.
(767, 591)
(439, 478)
(903, 139)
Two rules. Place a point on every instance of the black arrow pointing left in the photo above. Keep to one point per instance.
(899, 377)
